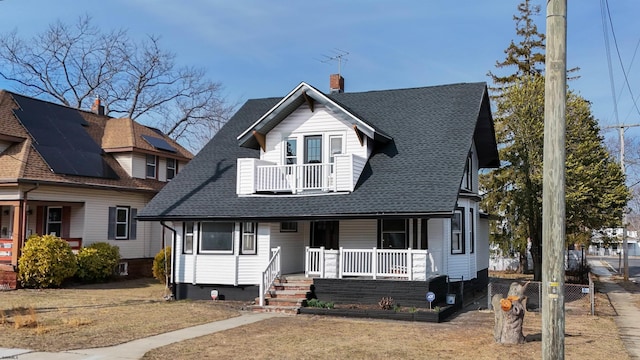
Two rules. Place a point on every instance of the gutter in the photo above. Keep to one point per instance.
(173, 258)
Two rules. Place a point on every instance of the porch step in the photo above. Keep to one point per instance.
(8, 280)
(285, 296)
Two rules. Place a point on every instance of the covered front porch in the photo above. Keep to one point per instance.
(19, 221)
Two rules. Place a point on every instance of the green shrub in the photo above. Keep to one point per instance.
(159, 270)
(319, 304)
(46, 261)
(97, 262)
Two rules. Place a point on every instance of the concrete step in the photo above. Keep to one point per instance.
(288, 293)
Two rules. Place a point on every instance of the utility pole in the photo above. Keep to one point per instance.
(625, 263)
(553, 183)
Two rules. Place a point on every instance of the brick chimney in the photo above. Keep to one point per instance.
(97, 107)
(336, 83)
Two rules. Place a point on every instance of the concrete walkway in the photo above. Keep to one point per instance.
(628, 315)
(137, 348)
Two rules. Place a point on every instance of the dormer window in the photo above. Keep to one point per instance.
(151, 166)
(171, 168)
(291, 156)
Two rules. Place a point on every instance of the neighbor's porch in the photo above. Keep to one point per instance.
(18, 222)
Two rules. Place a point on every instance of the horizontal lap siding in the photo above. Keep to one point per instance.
(358, 234)
(292, 245)
(303, 121)
(438, 244)
(94, 215)
(250, 267)
(215, 269)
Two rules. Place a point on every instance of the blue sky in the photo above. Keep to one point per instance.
(265, 48)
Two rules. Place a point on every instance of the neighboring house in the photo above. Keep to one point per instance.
(377, 185)
(609, 241)
(82, 176)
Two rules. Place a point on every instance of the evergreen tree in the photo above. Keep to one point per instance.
(596, 193)
(528, 55)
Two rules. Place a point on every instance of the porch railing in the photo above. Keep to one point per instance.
(314, 262)
(270, 274)
(6, 250)
(295, 178)
(374, 263)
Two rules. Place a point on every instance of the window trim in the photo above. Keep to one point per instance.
(286, 229)
(126, 223)
(173, 168)
(286, 155)
(193, 233)
(472, 233)
(468, 181)
(253, 234)
(47, 221)
(382, 232)
(201, 232)
(149, 165)
(461, 232)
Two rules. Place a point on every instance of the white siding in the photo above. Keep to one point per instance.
(304, 122)
(438, 247)
(89, 217)
(358, 234)
(9, 193)
(292, 246)
(126, 162)
(482, 244)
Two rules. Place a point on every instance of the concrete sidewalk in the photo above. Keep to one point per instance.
(628, 315)
(137, 348)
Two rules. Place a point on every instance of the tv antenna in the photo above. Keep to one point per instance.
(339, 56)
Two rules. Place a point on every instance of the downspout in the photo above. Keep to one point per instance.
(173, 258)
(23, 221)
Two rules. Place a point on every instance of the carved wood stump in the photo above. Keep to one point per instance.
(509, 315)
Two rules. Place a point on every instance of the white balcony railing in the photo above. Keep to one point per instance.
(295, 178)
(261, 176)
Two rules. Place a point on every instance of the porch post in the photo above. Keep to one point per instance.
(17, 229)
(340, 261)
(410, 264)
(374, 263)
(322, 262)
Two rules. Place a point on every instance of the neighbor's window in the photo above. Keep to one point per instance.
(187, 239)
(457, 232)
(151, 166)
(249, 238)
(289, 226)
(394, 233)
(171, 168)
(216, 237)
(122, 222)
(54, 221)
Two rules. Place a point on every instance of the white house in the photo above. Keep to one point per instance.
(378, 185)
(82, 176)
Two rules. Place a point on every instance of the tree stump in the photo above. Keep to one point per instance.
(509, 315)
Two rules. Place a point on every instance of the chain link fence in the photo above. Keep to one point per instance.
(578, 298)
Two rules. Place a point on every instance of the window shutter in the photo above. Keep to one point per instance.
(111, 232)
(133, 223)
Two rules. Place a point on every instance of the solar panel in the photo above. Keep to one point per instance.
(159, 143)
(60, 137)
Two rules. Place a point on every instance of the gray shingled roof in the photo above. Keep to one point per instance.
(418, 173)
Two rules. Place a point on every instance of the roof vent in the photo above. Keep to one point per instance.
(336, 83)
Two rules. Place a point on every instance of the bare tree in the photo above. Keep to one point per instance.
(74, 64)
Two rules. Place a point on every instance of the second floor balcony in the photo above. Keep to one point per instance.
(256, 176)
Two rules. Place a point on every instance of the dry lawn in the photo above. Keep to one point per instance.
(98, 315)
(467, 336)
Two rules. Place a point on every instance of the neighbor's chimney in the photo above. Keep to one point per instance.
(96, 107)
(336, 83)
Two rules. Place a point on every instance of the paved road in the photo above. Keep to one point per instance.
(617, 263)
